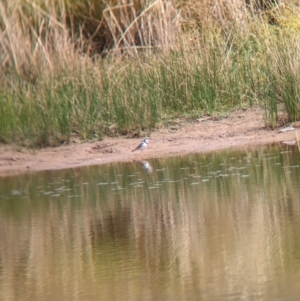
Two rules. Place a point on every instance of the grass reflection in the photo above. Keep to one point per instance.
(201, 226)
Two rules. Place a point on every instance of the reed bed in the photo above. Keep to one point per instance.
(94, 69)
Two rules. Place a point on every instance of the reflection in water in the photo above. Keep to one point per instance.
(207, 227)
(146, 165)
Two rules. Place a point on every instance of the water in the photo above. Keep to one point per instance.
(203, 227)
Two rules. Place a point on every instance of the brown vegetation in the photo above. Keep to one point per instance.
(91, 68)
(40, 36)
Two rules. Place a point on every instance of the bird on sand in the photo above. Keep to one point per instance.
(142, 145)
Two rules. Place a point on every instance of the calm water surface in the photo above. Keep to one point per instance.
(222, 226)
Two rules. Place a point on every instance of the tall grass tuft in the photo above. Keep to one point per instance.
(288, 77)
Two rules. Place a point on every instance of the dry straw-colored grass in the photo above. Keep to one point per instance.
(141, 24)
(38, 36)
(33, 42)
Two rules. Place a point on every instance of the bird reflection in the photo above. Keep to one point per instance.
(146, 165)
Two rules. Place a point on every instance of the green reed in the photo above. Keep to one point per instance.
(138, 94)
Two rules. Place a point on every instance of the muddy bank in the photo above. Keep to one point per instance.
(240, 130)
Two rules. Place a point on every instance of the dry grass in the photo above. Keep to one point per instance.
(86, 66)
(39, 36)
(33, 41)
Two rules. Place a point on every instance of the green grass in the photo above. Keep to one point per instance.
(50, 92)
(138, 96)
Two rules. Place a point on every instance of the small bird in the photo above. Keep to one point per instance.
(142, 145)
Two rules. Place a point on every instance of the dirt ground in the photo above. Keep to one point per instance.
(240, 130)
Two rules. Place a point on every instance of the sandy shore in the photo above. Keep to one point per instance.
(240, 130)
